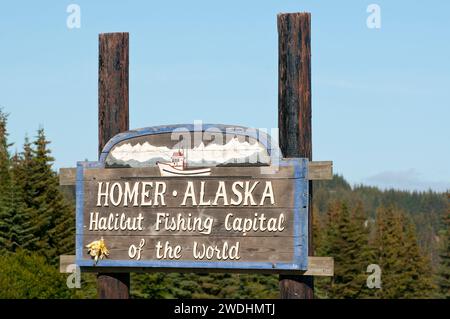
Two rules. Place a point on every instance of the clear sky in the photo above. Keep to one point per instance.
(381, 97)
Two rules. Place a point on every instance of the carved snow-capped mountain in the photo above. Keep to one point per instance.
(232, 151)
(140, 152)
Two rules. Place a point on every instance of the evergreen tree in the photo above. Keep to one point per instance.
(347, 242)
(56, 220)
(388, 246)
(28, 181)
(418, 274)
(6, 213)
(320, 283)
(444, 267)
(16, 221)
(405, 272)
(367, 255)
(23, 224)
(46, 219)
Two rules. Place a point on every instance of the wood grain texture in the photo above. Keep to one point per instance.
(317, 266)
(223, 172)
(113, 118)
(65, 261)
(67, 176)
(113, 285)
(251, 249)
(320, 170)
(316, 171)
(294, 84)
(283, 188)
(320, 266)
(113, 114)
(294, 117)
(216, 214)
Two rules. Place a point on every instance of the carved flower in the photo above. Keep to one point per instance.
(97, 249)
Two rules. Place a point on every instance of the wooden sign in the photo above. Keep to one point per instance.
(175, 197)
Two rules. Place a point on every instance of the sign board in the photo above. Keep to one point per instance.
(178, 197)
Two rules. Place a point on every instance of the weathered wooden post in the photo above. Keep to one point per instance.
(113, 118)
(294, 118)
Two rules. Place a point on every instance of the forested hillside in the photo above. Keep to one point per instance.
(425, 209)
(405, 233)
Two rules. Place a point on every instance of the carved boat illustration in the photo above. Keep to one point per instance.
(178, 167)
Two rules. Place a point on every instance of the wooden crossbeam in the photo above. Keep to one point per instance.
(67, 176)
(320, 170)
(317, 266)
(320, 266)
(64, 262)
(316, 171)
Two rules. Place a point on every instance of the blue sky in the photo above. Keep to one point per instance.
(381, 97)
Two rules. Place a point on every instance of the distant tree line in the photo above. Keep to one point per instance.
(405, 233)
